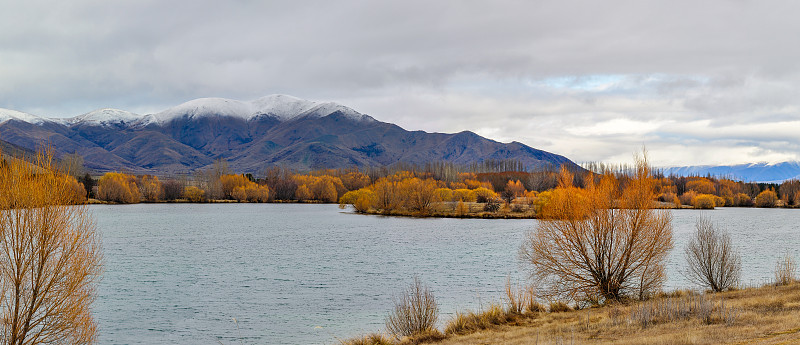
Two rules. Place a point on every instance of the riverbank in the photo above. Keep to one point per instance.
(764, 315)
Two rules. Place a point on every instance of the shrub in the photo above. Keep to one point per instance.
(711, 259)
(483, 194)
(469, 322)
(492, 205)
(194, 194)
(704, 202)
(767, 198)
(687, 198)
(742, 200)
(785, 270)
(415, 312)
(559, 307)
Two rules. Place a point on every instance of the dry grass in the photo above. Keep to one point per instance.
(766, 315)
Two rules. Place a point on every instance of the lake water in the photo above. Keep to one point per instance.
(307, 274)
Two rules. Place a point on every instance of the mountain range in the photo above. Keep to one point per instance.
(272, 130)
(754, 172)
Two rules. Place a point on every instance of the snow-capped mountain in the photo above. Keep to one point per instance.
(282, 107)
(752, 172)
(8, 114)
(251, 135)
(111, 117)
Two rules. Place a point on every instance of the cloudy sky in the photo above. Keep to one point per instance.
(711, 82)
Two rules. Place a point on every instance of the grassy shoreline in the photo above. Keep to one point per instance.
(763, 315)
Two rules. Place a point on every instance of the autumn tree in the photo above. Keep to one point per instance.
(231, 181)
(602, 242)
(387, 196)
(767, 198)
(118, 187)
(51, 257)
(208, 180)
(790, 192)
(194, 194)
(150, 188)
(701, 185)
(418, 194)
(173, 189)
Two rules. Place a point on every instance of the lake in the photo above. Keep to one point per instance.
(307, 274)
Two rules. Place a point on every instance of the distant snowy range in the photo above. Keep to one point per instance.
(754, 172)
(275, 130)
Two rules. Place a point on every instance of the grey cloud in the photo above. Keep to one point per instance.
(437, 66)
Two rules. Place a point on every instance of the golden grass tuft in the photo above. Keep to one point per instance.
(368, 339)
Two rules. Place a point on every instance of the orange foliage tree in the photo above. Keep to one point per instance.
(601, 243)
(51, 257)
(118, 187)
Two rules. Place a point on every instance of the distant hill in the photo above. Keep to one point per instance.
(756, 172)
(276, 129)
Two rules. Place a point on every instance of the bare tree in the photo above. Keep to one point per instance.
(711, 259)
(414, 312)
(49, 258)
(602, 242)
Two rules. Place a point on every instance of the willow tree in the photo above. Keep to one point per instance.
(49, 257)
(603, 242)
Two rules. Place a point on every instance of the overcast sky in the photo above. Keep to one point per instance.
(697, 82)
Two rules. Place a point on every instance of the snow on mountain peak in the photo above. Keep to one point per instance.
(282, 107)
(8, 114)
(109, 116)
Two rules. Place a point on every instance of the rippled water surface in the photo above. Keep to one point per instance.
(306, 274)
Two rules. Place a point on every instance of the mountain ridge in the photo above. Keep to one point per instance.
(275, 129)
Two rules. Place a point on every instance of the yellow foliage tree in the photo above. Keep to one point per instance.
(701, 185)
(231, 182)
(464, 195)
(150, 188)
(194, 194)
(302, 193)
(118, 187)
(418, 194)
(387, 194)
(767, 198)
(51, 257)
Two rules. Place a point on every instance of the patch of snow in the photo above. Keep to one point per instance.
(282, 107)
(107, 117)
(8, 114)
